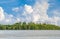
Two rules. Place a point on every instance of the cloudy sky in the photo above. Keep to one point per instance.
(38, 11)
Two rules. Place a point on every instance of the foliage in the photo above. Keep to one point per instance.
(29, 26)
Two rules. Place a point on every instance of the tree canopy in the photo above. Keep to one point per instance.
(29, 26)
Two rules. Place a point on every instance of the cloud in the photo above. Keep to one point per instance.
(28, 8)
(56, 16)
(36, 17)
(39, 13)
(2, 16)
(18, 20)
(36, 13)
(53, 20)
(6, 18)
(56, 12)
(28, 13)
(16, 9)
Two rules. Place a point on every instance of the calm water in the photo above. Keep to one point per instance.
(29, 34)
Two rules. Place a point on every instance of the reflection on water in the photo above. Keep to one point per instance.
(29, 34)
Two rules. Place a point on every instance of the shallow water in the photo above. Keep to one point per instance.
(29, 34)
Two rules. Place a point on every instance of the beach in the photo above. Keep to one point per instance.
(29, 34)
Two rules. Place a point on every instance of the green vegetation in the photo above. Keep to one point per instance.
(29, 26)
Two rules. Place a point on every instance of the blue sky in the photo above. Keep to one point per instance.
(54, 4)
(9, 4)
(13, 11)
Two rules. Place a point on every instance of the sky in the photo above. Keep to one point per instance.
(38, 11)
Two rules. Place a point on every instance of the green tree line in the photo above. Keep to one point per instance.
(29, 26)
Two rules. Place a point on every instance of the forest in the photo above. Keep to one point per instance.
(29, 26)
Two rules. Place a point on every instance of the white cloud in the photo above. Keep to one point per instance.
(37, 13)
(56, 12)
(6, 18)
(18, 20)
(53, 20)
(56, 17)
(40, 11)
(36, 17)
(57, 20)
(2, 16)
(16, 9)
(11, 15)
(28, 8)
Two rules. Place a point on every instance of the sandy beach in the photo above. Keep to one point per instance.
(29, 34)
